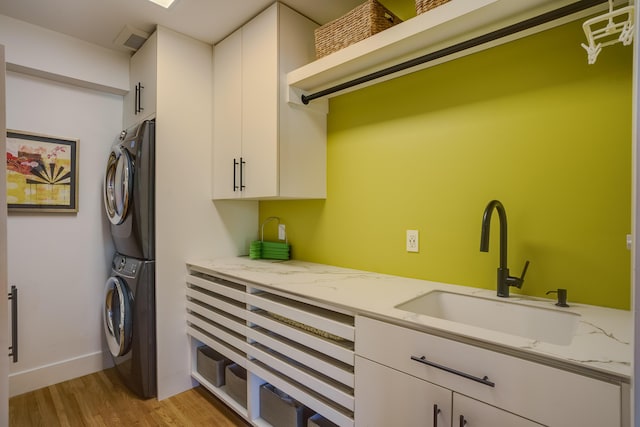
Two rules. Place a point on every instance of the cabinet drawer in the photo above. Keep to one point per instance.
(341, 350)
(213, 285)
(215, 330)
(327, 322)
(217, 317)
(214, 303)
(538, 392)
(314, 360)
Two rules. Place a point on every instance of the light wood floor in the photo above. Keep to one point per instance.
(101, 399)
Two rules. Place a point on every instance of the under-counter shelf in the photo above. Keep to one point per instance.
(316, 360)
(294, 369)
(451, 23)
(304, 315)
(341, 350)
(304, 394)
(302, 348)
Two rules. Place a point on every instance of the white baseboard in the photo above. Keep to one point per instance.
(43, 376)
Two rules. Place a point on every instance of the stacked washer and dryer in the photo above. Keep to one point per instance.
(129, 299)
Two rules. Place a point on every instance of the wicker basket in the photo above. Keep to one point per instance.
(423, 6)
(363, 21)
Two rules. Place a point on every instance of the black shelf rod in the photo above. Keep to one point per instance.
(459, 47)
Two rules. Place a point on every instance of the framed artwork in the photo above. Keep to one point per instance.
(42, 173)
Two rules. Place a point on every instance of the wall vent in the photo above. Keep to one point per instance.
(131, 38)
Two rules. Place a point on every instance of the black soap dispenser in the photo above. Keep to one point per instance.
(562, 297)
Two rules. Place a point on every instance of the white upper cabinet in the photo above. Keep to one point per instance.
(263, 147)
(140, 102)
(227, 117)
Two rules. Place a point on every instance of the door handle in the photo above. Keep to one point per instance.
(242, 186)
(235, 167)
(13, 349)
(140, 98)
(137, 102)
(436, 411)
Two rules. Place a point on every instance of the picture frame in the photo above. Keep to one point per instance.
(42, 173)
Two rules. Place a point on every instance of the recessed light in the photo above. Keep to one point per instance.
(164, 3)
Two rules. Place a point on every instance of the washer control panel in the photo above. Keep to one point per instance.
(125, 266)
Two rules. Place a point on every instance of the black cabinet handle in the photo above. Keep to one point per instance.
(140, 98)
(13, 349)
(463, 422)
(484, 380)
(436, 411)
(137, 101)
(235, 167)
(242, 186)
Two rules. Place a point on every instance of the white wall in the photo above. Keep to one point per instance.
(60, 262)
(44, 53)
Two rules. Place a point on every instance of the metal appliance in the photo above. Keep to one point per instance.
(129, 191)
(129, 300)
(129, 322)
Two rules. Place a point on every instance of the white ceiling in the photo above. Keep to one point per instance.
(100, 21)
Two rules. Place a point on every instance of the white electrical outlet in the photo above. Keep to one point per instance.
(412, 240)
(282, 233)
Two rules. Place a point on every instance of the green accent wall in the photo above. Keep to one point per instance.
(528, 123)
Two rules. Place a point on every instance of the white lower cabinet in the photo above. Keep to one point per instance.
(473, 413)
(304, 349)
(386, 397)
(487, 388)
(389, 376)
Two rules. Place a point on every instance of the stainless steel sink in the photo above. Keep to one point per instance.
(544, 324)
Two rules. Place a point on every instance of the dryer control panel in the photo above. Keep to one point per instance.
(126, 266)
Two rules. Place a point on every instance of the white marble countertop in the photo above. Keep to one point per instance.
(601, 345)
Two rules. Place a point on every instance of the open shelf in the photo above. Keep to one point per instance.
(304, 348)
(451, 23)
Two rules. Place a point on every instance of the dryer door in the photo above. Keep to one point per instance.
(118, 316)
(118, 185)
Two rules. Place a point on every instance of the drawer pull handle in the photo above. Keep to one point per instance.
(436, 411)
(484, 380)
(463, 422)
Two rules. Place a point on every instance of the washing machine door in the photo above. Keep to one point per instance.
(118, 316)
(118, 185)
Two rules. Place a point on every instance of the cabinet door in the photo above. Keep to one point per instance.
(227, 116)
(386, 397)
(547, 394)
(260, 105)
(470, 412)
(140, 102)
